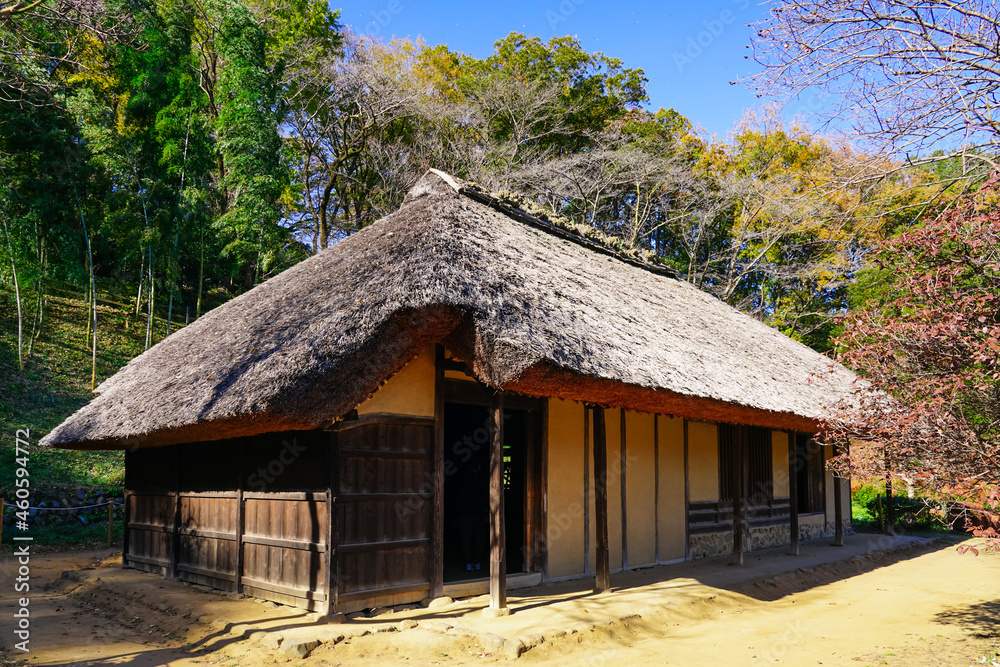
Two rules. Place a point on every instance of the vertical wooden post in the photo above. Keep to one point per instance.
(687, 495)
(890, 518)
(111, 520)
(498, 537)
(126, 513)
(542, 553)
(175, 551)
(739, 502)
(240, 517)
(586, 489)
(333, 526)
(656, 488)
(329, 556)
(838, 506)
(622, 462)
(437, 520)
(793, 493)
(601, 500)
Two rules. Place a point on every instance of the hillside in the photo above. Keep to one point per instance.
(56, 382)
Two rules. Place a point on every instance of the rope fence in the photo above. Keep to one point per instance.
(111, 504)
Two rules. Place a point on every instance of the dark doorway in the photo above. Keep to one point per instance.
(810, 475)
(466, 489)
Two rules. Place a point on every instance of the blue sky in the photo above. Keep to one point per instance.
(690, 50)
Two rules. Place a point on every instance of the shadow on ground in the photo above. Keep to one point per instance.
(982, 619)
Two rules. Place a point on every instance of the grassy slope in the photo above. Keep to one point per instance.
(56, 382)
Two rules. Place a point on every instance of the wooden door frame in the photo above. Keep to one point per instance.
(471, 392)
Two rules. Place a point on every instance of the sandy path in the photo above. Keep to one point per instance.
(937, 608)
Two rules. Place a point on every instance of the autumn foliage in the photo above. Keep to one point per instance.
(927, 344)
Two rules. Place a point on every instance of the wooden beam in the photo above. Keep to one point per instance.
(656, 488)
(793, 493)
(687, 495)
(838, 509)
(622, 460)
(498, 537)
(601, 500)
(436, 564)
(739, 502)
(125, 520)
(240, 519)
(333, 526)
(890, 514)
(586, 489)
(175, 550)
(542, 552)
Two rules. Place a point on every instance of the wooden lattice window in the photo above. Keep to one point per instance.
(760, 475)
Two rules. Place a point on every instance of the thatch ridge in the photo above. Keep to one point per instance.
(527, 309)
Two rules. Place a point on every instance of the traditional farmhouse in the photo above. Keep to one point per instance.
(460, 396)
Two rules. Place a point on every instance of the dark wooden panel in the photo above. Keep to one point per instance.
(150, 470)
(283, 543)
(207, 543)
(186, 514)
(150, 531)
(385, 497)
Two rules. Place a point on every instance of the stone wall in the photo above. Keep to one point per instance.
(707, 545)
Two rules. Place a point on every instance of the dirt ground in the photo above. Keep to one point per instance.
(924, 605)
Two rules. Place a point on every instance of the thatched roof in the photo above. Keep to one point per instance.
(529, 308)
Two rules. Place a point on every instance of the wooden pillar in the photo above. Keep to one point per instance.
(127, 514)
(586, 489)
(541, 542)
(793, 493)
(601, 500)
(333, 525)
(436, 564)
(687, 495)
(838, 506)
(175, 551)
(241, 520)
(498, 538)
(890, 515)
(656, 488)
(740, 454)
(622, 461)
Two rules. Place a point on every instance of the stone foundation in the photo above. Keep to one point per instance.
(707, 545)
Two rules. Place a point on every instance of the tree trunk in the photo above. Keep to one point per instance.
(17, 297)
(201, 276)
(149, 311)
(142, 281)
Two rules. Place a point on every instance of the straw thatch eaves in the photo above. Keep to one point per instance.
(528, 308)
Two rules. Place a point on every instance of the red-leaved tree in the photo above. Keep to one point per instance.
(927, 345)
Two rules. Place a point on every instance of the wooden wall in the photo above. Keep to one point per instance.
(384, 505)
(260, 515)
(245, 514)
